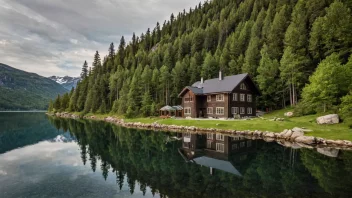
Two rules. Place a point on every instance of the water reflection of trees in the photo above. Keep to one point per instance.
(147, 158)
(22, 129)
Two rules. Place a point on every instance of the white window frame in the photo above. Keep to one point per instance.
(220, 147)
(234, 110)
(219, 109)
(243, 86)
(242, 110)
(210, 136)
(235, 97)
(187, 111)
(220, 97)
(249, 97)
(209, 98)
(190, 99)
(220, 137)
(209, 144)
(210, 112)
(243, 97)
(249, 110)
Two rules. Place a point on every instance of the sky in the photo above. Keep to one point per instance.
(55, 37)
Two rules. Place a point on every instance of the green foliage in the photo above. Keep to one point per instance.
(279, 43)
(328, 82)
(20, 90)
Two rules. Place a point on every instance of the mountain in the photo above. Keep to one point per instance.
(67, 82)
(279, 43)
(22, 90)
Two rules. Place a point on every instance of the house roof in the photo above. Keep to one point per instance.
(227, 84)
(217, 164)
(171, 108)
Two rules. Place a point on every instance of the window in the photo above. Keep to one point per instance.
(210, 110)
(249, 110)
(243, 86)
(187, 111)
(249, 97)
(219, 110)
(234, 147)
(242, 144)
(220, 97)
(242, 110)
(249, 143)
(187, 135)
(234, 97)
(209, 98)
(220, 147)
(189, 99)
(242, 97)
(220, 137)
(209, 136)
(234, 110)
(209, 144)
(236, 138)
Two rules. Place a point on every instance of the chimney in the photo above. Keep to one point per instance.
(200, 85)
(220, 75)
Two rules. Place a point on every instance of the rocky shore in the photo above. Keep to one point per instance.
(289, 137)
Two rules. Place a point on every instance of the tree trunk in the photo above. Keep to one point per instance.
(290, 95)
(293, 94)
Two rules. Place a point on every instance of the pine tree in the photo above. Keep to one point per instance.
(57, 103)
(210, 67)
(96, 63)
(84, 73)
(268, 79)
(111, 51)
(332, 33)
(51, 106)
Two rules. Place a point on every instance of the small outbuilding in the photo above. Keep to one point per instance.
(169, 111)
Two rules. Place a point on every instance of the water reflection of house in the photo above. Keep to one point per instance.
(217, 151)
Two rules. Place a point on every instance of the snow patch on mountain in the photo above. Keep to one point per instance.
(67, 82)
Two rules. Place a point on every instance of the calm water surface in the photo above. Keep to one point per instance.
(46, 157)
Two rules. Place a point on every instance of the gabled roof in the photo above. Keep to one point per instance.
(217, 164)
(227, 84)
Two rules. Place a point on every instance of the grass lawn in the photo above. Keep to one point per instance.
(337, 131)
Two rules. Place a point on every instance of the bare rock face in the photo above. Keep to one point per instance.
(328, 119)
(331, 152)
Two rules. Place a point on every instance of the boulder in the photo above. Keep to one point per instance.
(296, 134)
(305, 139)
(288, 114)
(328, 119)
(288, 134)
(331, 152)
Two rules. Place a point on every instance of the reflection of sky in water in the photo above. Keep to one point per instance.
(55, 170)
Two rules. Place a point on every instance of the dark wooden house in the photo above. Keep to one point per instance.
(223, 97)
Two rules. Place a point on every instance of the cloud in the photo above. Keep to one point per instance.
(55, 37)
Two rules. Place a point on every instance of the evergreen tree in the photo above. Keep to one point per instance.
(84, 73)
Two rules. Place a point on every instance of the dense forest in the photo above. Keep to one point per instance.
(148, 159)
(297, 51)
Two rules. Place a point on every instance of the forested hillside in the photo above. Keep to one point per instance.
(20, 90)
(296, 50)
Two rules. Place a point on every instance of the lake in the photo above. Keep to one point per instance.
(45, 157)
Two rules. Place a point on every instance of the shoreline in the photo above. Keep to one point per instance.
(294, 138)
